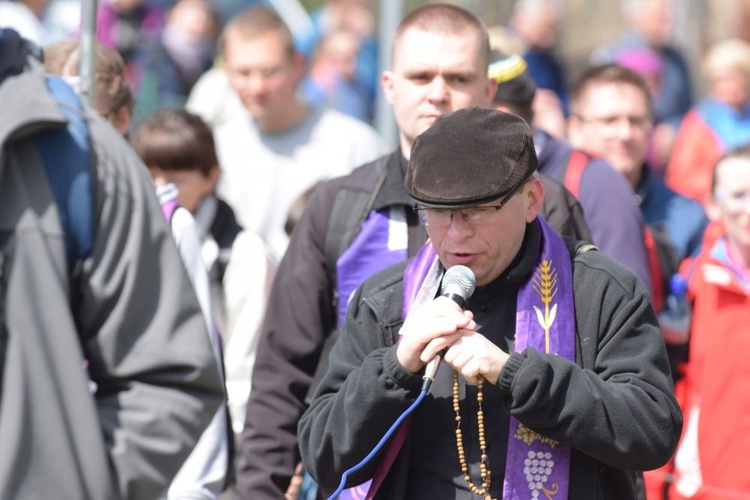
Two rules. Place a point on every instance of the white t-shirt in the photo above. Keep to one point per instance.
(263, 174)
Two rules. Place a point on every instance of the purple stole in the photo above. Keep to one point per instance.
(380, 243)
(536, 466)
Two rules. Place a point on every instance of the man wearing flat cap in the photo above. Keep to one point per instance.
(356, 225)
(555, 381)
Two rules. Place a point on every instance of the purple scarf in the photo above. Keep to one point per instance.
(536, 466)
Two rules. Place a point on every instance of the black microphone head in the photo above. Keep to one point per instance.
(458, 284)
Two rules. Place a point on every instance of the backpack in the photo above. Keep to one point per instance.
(350, 210)
(351, 207)
(70, 179)
(67, 160)
(663, 260)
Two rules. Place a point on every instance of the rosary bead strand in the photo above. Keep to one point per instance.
(483, 465)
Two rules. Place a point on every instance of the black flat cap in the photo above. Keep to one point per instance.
(471, 156)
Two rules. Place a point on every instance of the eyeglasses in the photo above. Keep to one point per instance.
(264, 73)
(734, 201)
(476, 216)
(612, 122)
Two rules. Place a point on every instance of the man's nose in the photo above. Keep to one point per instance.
(458, 225)
(255, 82)
(438, 90)
(624, 127)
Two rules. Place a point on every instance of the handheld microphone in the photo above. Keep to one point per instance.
(458, 285)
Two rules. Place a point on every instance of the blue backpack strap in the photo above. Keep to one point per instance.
(67, 159)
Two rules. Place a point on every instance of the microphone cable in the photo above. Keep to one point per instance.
(422, 394)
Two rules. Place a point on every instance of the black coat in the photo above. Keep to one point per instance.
(614, 406)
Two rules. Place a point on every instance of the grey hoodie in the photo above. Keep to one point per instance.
(130, 316)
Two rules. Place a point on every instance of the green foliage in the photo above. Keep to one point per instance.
(311, 5)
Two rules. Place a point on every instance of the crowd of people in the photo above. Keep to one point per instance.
(218, 281)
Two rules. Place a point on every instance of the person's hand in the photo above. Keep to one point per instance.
(473, 354)
(292, 491)
(429, 329)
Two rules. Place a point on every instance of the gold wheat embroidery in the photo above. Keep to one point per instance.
(525, 434)
(545, 284)
(528, 436)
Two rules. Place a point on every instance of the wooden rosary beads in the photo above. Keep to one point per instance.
(484, 469)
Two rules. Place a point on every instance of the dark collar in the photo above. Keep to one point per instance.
(647, 180)
(520, 268)
(393, 192)
(14, 53)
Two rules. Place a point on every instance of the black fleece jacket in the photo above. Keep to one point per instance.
(614, 406)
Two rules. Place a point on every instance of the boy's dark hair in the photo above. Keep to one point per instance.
(175, 139)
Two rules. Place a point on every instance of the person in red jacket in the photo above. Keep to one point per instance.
(712, 459)
(716, 124)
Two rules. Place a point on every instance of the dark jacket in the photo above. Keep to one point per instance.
(301, 316)
(614, 406)
(683, 218)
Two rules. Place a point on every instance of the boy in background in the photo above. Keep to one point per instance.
(178, 148)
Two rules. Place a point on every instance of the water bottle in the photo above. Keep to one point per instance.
(676, 316)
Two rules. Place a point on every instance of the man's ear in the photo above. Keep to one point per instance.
(713, 211)
(534, 193)
(213, 177)
(120, 119)
(490, 91)
(386, 83)
(298, 65)
(575, 134)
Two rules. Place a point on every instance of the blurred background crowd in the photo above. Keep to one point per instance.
(341, 39)
(228, 105)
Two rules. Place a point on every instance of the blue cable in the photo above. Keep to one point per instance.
(382, 441)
